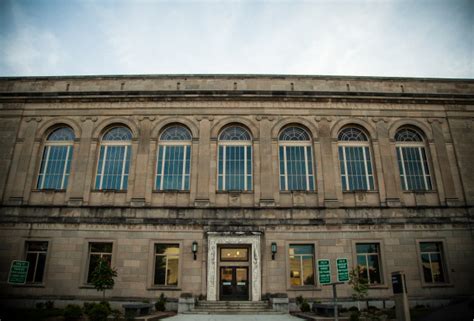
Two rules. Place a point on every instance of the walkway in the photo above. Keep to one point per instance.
(239, 317)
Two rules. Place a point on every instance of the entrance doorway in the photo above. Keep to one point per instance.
(234, 278)
(234, 285)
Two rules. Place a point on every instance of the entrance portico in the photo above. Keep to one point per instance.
(214, 273)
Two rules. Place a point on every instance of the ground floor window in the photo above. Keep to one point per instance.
(166, 264)
(368, 261)
(432, 262)
(98, 251)
(301, 264)
(36, 256)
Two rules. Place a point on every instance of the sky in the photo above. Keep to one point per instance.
(399, 38)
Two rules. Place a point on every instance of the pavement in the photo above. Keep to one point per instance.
(239, 317)
(462, 311)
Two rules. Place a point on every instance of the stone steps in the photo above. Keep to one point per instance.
(232, 307)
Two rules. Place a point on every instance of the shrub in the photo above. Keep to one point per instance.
(354, 316)
(305, 306)
(354, 309)
(72, 312)
(49, 305)
(130, 315)
(160, 305)
(99, 312)
(116, 315)
(299, 300)
(39, 305)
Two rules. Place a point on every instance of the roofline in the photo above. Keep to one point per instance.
(241, 76)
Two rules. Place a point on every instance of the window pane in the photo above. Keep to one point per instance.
(93, 262)
(367, 248)
(173, 264)
(160, 270)
(301, 249)
(31, 257)
(40, 267)
(308, 270)
(374, 269)
(425, 263)
(429, 247)
(436, 268)
(101, 247)
(295, 271)
(167, 249)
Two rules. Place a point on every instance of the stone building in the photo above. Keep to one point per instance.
(233, 187)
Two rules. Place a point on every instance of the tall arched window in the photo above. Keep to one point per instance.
(296, 160)
(56, 162)
(114, 159)
(412, 162)
(355, 161)
(234, 170)
(173, 160)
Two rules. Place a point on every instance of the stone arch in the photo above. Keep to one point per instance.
(360, 123)
(52, 124)
(297, 121)
(163, 123)
(420, 126)
(109, 122)
(248, 124)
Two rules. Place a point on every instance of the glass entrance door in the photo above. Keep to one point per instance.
(234, 283)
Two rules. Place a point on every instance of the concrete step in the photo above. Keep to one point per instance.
(233, 307)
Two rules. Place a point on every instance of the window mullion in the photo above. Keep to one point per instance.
(123, 166)
(184, 167)
(306, 166)
(103, 167)
(245, 168)
(346, 173)
(402, 159)
(285, 163)
(366, 168)
(65, 166)
(45, 173)
(423, 167)
(224, 165)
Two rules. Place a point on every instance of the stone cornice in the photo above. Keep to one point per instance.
(243, 95)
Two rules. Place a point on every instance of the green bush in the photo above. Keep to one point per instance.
(130, 315)
(160, 305)
(299, 300)
(354, 316)
(99, 313)
(305, 306)
(49, 305)
(116, 315)
(40, 305)
(72, 312)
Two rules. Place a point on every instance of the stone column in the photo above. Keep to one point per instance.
(81, 157)
(328, 162)
(390, 172)
(266, 161)
(23, 151)
(141, 165)
(202, 195)
(443, 159)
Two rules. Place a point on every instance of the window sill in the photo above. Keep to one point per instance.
(109, 191)
(234, 192)
(49, 191)
(420, 192)
(30, 285)
(305, 288)
(437, 285)
(171, 191)
(163, 287)
(298, 192)
(86, 286)
(378, 287)
(361, 191)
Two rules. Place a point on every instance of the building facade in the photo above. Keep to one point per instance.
(233, 187)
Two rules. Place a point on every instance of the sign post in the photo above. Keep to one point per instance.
(324, 271)
(18, 272)
(342, 270)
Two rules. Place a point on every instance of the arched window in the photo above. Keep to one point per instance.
(173, 159)
(296, 160)
(412, 162)
(355, 161)
(234, 170)
(56, 162)
(114, 159)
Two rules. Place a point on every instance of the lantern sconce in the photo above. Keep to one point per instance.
(195, 249)
(274, 250)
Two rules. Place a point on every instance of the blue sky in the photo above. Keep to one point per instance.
(424, 38)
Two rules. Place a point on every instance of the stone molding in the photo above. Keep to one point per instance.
(255, 265)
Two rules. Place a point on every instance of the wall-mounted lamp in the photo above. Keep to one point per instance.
(195, 249)
(274, 250)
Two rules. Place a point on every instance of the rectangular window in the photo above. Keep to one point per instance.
(413, 166)
(113, 168)
(166, 264)
(432, 262)
(234, 168)
(296, 168)
(301, 264)
(173, 167)
(369, 263)
(36, 256)
(234, 254)
(98, 251)
(55, 167)
(356, 168)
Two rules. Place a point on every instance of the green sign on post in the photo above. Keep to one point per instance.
(324, 269)
(18, 272)
(342, 270)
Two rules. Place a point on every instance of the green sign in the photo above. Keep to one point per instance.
(324, 269)
(18, 272)
(342, 270)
